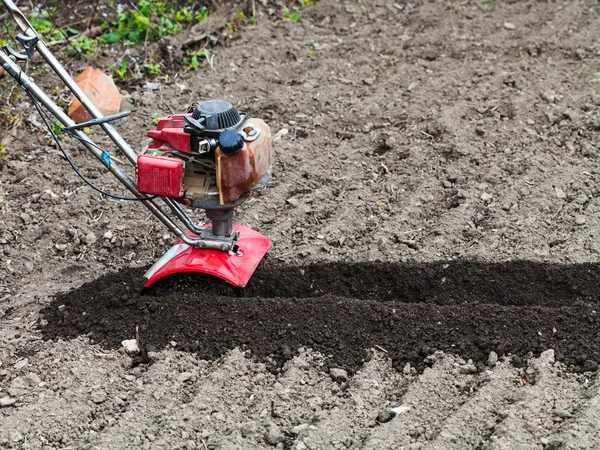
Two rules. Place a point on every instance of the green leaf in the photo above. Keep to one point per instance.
(111, 37)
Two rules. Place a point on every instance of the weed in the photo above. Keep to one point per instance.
(289, 15)
(57, 128)
(307, 3)
(191, 61)
(83, 46)
(40, 20)
(152, 68)
(149, 21)
(202, 14)
(3, 153)
(252, 20)
(184, 15)
(122, 70)
(311, 51)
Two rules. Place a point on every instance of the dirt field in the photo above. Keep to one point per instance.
(434, 274)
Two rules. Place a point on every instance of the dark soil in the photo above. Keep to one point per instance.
(410, 310)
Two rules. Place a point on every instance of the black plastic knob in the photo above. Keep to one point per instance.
(231, 142)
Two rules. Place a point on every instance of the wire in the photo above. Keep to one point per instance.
(70, 161)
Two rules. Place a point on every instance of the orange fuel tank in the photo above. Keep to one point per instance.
(238, 173)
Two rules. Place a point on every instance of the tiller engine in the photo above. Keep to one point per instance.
(210, 158)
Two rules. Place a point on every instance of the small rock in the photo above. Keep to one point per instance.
(90, 238)
(299, 428)
(130, 345)
(108, 235)
(548, 96)
(274, 436)
(468, 368)
(339, 375)
(61, 247)
(293, 201)
(509, 26)
(400, 409)
(19, 383)
(280, 134)
(184, 376)
(7, 401)
(492, 359)
(98, 397)
(26, 218)
(20, 364)
(406, 369)
(580, 220)
(486, 197)
(32, 379)
(385, 415)
(560, 193)
(562, 413)
(370, 81)
(152, 86)
(547, 356)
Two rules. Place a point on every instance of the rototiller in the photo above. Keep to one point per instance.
(209, 158)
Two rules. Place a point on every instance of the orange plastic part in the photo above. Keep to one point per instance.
(237, 174)
(101, 90)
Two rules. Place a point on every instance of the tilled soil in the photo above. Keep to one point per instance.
(408, 311)
(435, 187)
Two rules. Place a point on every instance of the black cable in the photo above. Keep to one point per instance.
(70, 161)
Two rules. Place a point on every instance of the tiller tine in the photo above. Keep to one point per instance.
(236, 269)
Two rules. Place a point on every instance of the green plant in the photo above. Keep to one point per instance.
(202, 14)
(122, 70)
(152, 68)
(307, 3)
(57, 128)
(184, 15)
(149, 21)
(191, 60)
(252, 20)
(3, 152)
(311, 51)
(40, 20)
(289, 15)
(83, 45)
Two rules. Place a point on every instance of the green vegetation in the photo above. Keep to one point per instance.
(83, 45)
(293, 14)
(293, 11)
(122, 70)
(192, 59)
(139, 22)
(150, 20)
(153, 68)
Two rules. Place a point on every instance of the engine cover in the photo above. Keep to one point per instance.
(183, 159)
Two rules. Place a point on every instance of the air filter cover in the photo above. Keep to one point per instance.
(218, 114)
